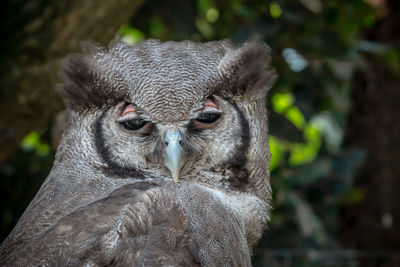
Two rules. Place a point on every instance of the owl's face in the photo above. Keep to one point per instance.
(214, 134)
(180, 111)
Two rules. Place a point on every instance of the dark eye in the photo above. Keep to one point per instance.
(134, 124)
(208, 117)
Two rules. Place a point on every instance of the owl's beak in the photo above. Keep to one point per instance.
(173, 151)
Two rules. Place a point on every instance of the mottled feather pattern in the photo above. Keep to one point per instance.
(172, 74)
(109, 200)
(132, 218)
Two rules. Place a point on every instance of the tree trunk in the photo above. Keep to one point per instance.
(374, 124)
(36, 35)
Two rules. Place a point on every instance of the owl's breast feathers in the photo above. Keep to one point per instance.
(142, 224)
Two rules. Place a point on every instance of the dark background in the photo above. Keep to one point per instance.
(334, 112)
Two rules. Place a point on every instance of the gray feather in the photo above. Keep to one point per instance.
(110, 200)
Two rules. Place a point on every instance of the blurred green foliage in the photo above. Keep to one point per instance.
(315, 47)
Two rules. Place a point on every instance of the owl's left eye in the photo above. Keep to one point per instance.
(133, 124)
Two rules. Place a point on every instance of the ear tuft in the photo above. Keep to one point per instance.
(82, 87)
(75, 75)
(248, 71)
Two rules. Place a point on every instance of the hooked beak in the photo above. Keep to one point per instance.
(173, 151)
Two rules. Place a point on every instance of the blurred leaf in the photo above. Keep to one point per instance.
(275, 10)
(309, 222)
(204, 28)
(156, 27)
(313, 5)
(372, 47)
(212, 15)
(32, 142)
(330, 128)
(305, 153)
(204, 5)
(342, 69)
(42, 149)
(294, 115)
(282, 101)
(130, 35)
(295, 61)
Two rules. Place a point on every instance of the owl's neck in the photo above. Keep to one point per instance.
(76, 152)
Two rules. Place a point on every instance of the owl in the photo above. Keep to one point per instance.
(163, 162)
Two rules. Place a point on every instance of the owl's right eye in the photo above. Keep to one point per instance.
(208, 117)
(133, 124)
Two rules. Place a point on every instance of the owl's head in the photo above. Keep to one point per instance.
(182, 111)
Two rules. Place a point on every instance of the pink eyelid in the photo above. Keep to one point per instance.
(128, 109)
(210, 104)
(131, 109)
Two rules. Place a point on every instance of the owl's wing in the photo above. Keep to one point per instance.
(138, 225)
